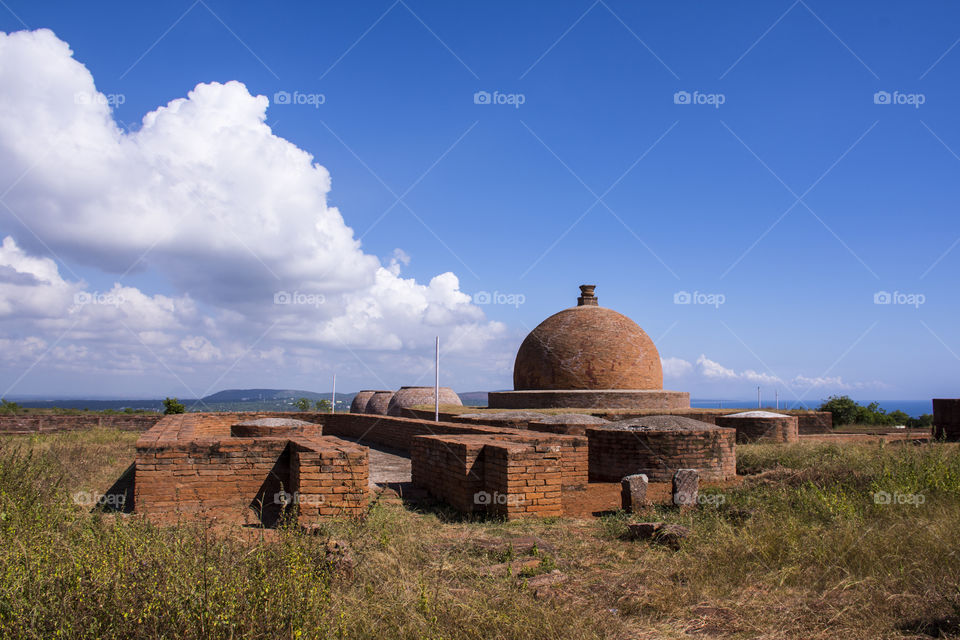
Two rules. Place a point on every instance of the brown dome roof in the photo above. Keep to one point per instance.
(587, 347)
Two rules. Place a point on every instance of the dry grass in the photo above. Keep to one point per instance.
(800, 549)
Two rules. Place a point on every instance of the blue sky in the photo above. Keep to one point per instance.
(795, 201)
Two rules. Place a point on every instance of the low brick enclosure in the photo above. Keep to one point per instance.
(762, 426)
(44, 423)
(658, 452)
(403, 433)
(190, 465)
(507, 476)
(946, 419)
(807, 421)
(241, 468)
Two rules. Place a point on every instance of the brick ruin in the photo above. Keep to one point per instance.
(762, 426)
(244, 468)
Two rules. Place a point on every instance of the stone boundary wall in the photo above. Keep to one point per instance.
(615, 453)
(188, 465)
(10, 425)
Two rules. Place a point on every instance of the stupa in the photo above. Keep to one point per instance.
(588, 357)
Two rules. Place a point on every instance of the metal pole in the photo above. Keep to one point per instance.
(333, 396)
(778, 399)
(758, 397)
(436, 386)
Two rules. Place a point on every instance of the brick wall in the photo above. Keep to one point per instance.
(188, 465)
(330, 477)
(450, 468)
(615, 453)
(400, 433)
(505, 476)
(48, 423)
(524, 480)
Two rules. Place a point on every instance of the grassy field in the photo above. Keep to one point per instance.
(818, 541)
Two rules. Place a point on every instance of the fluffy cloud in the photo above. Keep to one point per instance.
(715, 371)
(675, 367)
(206, 197)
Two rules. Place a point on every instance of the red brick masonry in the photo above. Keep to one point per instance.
(189, 465)
(46, 422)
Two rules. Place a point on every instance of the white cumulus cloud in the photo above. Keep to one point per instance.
(208, 198)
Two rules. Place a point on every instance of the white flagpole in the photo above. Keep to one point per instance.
(436, 386)
(333, 396)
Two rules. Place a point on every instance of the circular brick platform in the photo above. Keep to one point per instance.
(590, 399)
(378, 403)
(762, 426)
(269, 427)
(659, 445)
(408, 397)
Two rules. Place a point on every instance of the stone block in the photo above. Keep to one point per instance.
(633, 492)
(686, 483)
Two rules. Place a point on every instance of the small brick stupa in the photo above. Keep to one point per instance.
(588, 357)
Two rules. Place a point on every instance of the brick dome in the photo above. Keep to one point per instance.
(587, 347)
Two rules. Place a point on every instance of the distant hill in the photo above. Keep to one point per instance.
(227, 400)
(474, 398)
(261, 395)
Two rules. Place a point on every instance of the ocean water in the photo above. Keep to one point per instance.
(913, 408)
